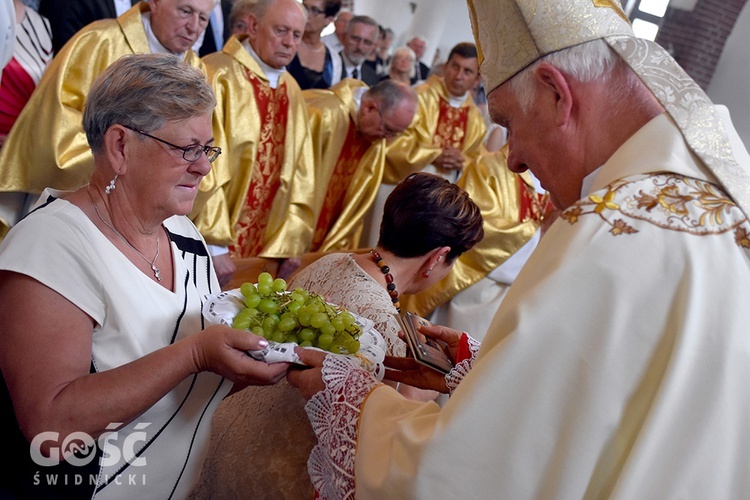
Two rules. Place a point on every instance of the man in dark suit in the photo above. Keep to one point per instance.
(361, 40)
(418, 45)
(66, 17)
(218, 30)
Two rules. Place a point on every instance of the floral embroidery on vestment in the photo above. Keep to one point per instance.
(668, 201)
(451, 127)
(273, 109)
(355, 146)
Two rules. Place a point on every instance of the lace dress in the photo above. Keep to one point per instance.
(335, 415)
(341, 281)
(261, 440)
(334, 412)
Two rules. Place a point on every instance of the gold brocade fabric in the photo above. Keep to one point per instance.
(351, 154)
(47, 146)
(499, 195)
(532, 29)
(418, 148)
(451, 129)
(273, 108)
(237, 130)
(331, 113)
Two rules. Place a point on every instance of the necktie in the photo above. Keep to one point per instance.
(355, 74)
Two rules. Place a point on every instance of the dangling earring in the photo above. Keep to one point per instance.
(111, 186)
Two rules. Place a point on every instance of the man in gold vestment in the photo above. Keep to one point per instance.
(446, 134)
(616, 365)
(47, 146)
(259, 194)
(449, 128)
(350, 126)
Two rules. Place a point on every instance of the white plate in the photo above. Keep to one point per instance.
(221, 308)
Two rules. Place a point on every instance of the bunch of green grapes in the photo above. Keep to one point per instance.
(299, 316)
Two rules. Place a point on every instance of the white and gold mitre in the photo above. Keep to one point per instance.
(512, 34)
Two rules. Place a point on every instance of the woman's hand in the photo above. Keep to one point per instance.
(309, 379)
(221, 349)
(451, 337)
(409, 371)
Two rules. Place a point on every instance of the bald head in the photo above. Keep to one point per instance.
(341, 22)
(178, 24)
(418, 44)
(275, 29)
(387, 110)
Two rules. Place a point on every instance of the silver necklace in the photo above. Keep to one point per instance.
(151, 263)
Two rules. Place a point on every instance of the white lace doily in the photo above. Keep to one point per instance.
(221, 308)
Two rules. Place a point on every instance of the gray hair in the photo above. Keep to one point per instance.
(262, 6)
(590, 61)
(362, 20)
(410, 53)
(240, 9)
(144, 91)
(390, 93)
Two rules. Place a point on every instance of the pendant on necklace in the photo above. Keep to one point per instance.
(155, 269)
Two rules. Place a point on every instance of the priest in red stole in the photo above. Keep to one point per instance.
(446, 134)
(351, 125)
(259, 195)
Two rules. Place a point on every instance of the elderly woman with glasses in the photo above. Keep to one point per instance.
(109, 377)
(427, 224)
(401, 67)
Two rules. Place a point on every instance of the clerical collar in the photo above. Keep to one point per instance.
(153, 42)
(272, 74)
(457, 102)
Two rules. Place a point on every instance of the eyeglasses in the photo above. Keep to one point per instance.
(190, 153)
(313, 10)
(389, 132)
(361, 40)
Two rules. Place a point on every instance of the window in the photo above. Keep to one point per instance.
(647, 17)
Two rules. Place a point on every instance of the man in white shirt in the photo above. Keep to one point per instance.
(361, 40)
(418, 44)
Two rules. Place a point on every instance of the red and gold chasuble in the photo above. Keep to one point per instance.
(532, 206)
(273, 107)
(354, 148)
(451, 126)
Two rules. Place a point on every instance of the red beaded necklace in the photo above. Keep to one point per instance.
(390, 285)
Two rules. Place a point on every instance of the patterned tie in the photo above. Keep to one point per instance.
(355, 74)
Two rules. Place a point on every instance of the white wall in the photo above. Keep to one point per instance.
(444, 23)
(731, 81)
